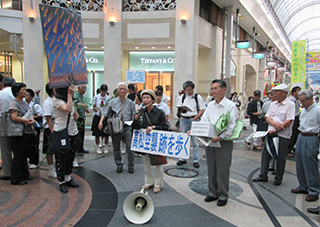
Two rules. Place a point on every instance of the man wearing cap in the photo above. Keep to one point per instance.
(36, 98)
(115, 107)
(5, 142)
(280, 117)
(307, 148)
(254, 111)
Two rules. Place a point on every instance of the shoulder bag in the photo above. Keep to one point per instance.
(9, 127)
(60, 143)
(115, 125)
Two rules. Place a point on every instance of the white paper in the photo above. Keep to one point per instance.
(260, 134)
(128, 123)
(208, 142)
(28, 115)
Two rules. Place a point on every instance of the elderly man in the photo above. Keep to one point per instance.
(279, 117)
(254, 111)
(124, 108)
(5, 142)
(219, 158)
(197, 107)
(307, 148)
(81, 109)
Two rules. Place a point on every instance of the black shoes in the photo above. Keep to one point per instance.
(84, 151)
(119, 169)
(298, 191)
(196, 165)
(222, 203)
(181, 162)
(28, 178)
(63, 187)
(313, 210)
(276, 183)
(71, 184)
(258, 179)
(23, 182)
(210, 198)
(5, 178)
(130, 169)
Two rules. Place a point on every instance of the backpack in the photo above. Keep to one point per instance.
(183, 98)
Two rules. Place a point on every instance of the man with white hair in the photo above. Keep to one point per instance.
(307, 148)
(279, 117)
(124, 108)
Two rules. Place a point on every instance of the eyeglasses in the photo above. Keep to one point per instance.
(214, 89)
(122, 89)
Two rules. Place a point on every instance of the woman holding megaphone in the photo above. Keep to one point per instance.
(151, 118)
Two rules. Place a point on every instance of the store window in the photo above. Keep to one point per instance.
(6, 64)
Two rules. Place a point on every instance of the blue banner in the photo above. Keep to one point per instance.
(164, 143)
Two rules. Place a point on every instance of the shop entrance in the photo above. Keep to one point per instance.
(165, 79)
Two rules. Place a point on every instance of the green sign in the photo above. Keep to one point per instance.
(94, 60)
(152, 61)
(298, 64)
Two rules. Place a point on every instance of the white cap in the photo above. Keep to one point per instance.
(281, 87)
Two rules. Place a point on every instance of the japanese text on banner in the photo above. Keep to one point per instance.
(164, 143)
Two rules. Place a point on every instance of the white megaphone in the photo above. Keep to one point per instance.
(138, 207)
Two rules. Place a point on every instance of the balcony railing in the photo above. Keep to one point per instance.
(148, 5)
(11, 4)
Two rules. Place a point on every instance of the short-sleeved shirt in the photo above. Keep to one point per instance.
(297, 105)
(22, 108)
(6, 97)
(47, 111)
(78, 98)
(280, 113)
(164, 107)
(36, 108)
(100, 102)
(310, 119)
(190, 102)
(61, 118)
(115, 105)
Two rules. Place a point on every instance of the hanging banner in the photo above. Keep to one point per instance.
(62, 35)
(165, 143)
(298, 65)
(135, 76)
(313, 70)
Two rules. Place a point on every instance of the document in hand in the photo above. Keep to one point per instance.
(183, 109)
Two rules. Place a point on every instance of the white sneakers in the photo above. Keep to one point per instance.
(75, 164)
(99, 150)
(106, 151)
(52, 174)
(33, 166)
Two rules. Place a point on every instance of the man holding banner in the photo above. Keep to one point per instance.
(219, 158)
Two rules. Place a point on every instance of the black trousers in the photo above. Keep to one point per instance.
(64, 161)
(81, 128)
(295, 133)
(33, 153)
(19, 165)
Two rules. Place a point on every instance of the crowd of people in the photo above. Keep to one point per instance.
(279, 114)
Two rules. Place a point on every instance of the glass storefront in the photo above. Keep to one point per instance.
(159, 68)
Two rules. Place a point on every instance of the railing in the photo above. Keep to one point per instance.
(11, 4)
(80, 5)
(148, 5)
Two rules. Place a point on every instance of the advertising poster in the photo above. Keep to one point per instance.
(135, 76)
(298, 65)
(62, 35)
(313, 70)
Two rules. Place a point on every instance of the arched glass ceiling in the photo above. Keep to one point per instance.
(300, 19)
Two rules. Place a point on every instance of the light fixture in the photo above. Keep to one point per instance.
(102, 47)
(153, 47)
(242, 44)
(183, 21)
(85, 47)
(169, 47)
(31, 19)
(258, 55)
(111, 23)
(271, 64)
(241, 18)
(136, 48)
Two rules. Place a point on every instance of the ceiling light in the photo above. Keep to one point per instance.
(243, 44)
(169, 47)
(102, 47)
(241, 18)
(153, 47)
(136, 48)
(85, 47)
(258, 55)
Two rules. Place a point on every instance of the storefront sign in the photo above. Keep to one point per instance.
(152, 61)
(164, 143)
(298, 65)
(94, 60)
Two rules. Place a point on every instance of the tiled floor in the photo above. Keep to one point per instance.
(99, 199)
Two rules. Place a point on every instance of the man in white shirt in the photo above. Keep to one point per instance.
(307, 148)
(219, 158)
(5, 142)
(196, 105)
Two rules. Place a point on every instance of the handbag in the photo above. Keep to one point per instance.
(60, 143)
(156, 160)
(115, 124)
(9, 127)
